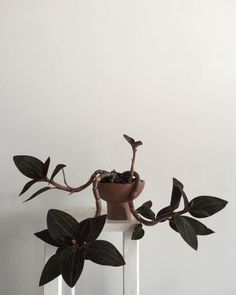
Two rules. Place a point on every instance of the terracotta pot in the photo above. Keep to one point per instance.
(116, 195)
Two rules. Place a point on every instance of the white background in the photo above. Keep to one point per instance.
(75, 76)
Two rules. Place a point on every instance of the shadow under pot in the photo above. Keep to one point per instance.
(116, 195)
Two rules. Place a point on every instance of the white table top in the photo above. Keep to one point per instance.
(111, 225)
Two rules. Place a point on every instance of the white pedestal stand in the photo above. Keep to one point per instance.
(130, 253)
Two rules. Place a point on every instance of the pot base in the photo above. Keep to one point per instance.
(118, 211)
(117, 196)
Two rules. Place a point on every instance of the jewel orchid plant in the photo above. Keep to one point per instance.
(77, 241)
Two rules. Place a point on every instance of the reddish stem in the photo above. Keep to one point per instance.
(132, 164)
(142, 220)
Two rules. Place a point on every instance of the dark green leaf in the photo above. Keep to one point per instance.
(138, 232)
(146, 211)
(71, 264)
(42, 190)
(28, 186)
(148, 203)
(58, 168)
(96, 226)
(199, 227)
(164, 212)
(177, 183)
(104, 253)
(29, 166)
(176, 194)
(199, 213)
(46, 166)
(205, 206)
(51, 270)
(45, 236)
(172, 225)
(61, 225)
(138, 143)
(90, 228)
(185, 198)
(129, 139)
(83, 230)
(186, 231)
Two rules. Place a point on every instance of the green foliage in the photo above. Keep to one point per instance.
(30, 166)
(96, 225)
(71, 264)
(76, 241)
(176, 194)
(199, 228)
(205, 206)
(61, 225)
(138, 232)
(28, 186)
(51, 270)
(146, 211)
(58, 168)
(104, 253)
(199, 207)
(163, 212)
(46, 166)
(186, 231)
(45, 236)
(132, 142)
(37, 171)
(40, 191)
(189, 228)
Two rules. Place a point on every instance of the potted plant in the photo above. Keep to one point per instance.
(77, 241)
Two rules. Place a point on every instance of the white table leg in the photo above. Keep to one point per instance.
(65, 289)
(131, 269)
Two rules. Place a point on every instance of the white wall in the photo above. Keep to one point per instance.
(75, 76)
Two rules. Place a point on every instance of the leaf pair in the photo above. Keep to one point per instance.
(189, 228)
(177, 193)
(205, 206)
(138, 232)
(36, 170)
(199, 207)
(76, 242)
(58, 168)
(32, 167)
(132, 142)
(69, 262)
(63, 229)
(146, 211)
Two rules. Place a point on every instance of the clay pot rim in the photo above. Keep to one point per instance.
(117, 183)
(117, 197)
